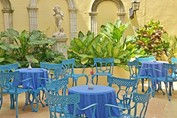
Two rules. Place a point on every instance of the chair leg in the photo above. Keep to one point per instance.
(172, 86)
(1, 100)
(142, 82)
(75, 81)
(96, 79)
(16, 98)
(167, 92)
(87, 79)
(12, 101)
(160, 88)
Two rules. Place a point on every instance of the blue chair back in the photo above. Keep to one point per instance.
(141, 102)
(9, 67)
(104, 65)
(68, 65)
(58, 105)
(133, 67)
(9, 82)
(56, 85)
(173, 60)
(146, 59)
(138, 107)
(124, 90)
(50, 67)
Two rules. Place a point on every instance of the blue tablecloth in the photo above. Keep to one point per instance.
(153, 70)
(34, 73)
(159, 72)
(99, 94)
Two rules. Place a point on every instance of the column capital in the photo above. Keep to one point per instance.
(93, 13)
(7, 10)
(73, 10)
(121, 14)
(32, 8)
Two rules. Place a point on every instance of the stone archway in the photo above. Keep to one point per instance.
(7, 13)
(93, 13)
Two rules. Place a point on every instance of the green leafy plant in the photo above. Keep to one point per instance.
(172, 51)
(108, 43)
(149, 39)
(26, 46)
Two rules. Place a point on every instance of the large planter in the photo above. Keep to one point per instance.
(118, 72)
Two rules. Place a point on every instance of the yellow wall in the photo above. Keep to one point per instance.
(83, 19)
(1, 20)
(163, 10)
(20, 15)
(106, 14)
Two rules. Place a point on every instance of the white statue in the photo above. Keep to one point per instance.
(58, 16)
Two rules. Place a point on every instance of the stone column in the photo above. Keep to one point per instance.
(7, 18)
(93, 22)
(73, 22)
(60, 45)
(32, 11)
(121, 16)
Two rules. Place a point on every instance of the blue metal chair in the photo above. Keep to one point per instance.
(133, 67)
(59, 73)
(124, 90)
(50, 67)
(58, 100)
(138, 107)
(170, 71)
(9, 85)
(68, 66)
(140, 60)
(173, 61)
(146, 59)
(9, 67)
(104, 67)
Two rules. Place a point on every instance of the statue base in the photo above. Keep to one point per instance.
(60, 45)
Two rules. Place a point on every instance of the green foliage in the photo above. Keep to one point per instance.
(172, 40)
(149, 39)
(25, 46)
(108, 43)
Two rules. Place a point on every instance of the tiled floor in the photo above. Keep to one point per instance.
(159, 107)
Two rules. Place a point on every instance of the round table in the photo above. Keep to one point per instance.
(99, 94)
(34, 73)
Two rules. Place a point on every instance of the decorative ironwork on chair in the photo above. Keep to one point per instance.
(9, 84)
(50, 67)
(138, 106)
(104, 67)
(58, 106)
(68, 66)
(124, 90)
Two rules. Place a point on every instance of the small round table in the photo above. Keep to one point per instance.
(99, 94)
(33, 73)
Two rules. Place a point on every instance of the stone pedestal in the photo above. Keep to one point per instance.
(60, 45)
